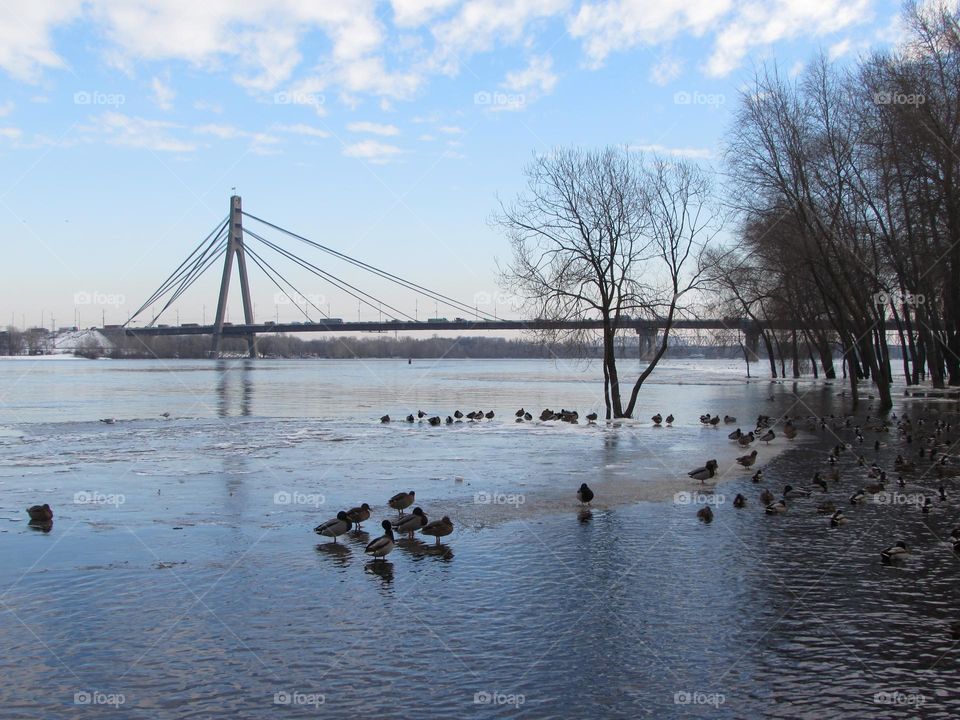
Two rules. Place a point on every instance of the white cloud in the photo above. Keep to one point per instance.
(608, 27)
(839, 49)
(450, 129)
(11, 133)
(372, 150)
(666, 69)
(535, 79)
(206, 106)
(259, 142)
(373, 128)
(163, 94)
(26, 45)
(410, 13)
(137, 132)
(301, 129)
(6, 108)
(682, 152)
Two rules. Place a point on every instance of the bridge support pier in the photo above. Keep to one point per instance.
(647, 341)
(234, 247)
(752, 343)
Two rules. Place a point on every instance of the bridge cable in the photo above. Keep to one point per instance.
(332, 279)
(185, 285)
(258, 260)
(408, 284)
(179, 271)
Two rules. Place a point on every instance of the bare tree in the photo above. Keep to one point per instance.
(613, 236)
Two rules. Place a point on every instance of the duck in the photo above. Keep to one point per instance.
(704, 473)
(789, 491)
(768, 436)
(837, 519)
(384, 418)
(747, 460)
(715, 420)
(337, 526)
(109, 421)
(735, 435)
(438, 528)
(757, 476)
(745, 440)
(382, 546)
(766, 497)
(739, 501)
(857, 497)
(40, 513)
(457, 414)
(729, 419)
(657, 419)
(592, 417)
(826, 508)
(435, 420)
(584, 494)
(412, 522)
(669, 420)
(780, 506)
(519, 413)
(449, 420)
(894, 552)
(927, 506)
(875, 488)
(358, 514)
(528, 416)
(819, 481)
(789, 431)
(489, 415)
(402, 500)
(410, 418)
(705, 514)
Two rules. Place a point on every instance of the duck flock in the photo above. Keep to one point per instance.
(848, 479)
(521, 415)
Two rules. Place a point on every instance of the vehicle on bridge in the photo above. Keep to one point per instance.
(437, 320)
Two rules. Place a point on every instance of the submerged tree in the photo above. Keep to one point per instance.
(610, 236)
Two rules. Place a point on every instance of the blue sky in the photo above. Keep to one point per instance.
(384, 129)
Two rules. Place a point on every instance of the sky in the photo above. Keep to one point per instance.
(388, 130)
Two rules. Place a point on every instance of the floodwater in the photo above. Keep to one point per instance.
(181, 576)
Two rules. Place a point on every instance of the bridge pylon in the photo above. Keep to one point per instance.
(234, 248)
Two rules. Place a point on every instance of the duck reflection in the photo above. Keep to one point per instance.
(419, 549)
(381, 568)
(338, 552)
(585, 516)
(360, 536)
(41, 525)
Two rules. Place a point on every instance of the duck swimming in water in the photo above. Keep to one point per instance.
(705, 514)
(894, 552)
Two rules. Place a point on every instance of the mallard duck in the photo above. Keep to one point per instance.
(109, 421)
(382, 546)
(669, 420)
(858, 497)
(402, 500)
(894, 552)
(790, 492)
(584, 494)
(435, 420)
(819, 481)
(411, 523)
(715, 420)
(776, 508)
(449, 420)
(338, 526)
(735, 435)
(766, 497)
(592, 417)
(384, 418)
(768, 436)
(747, 460)
(421, 414)
(729, 419)
(528, 416)
(438, 528)
(705, 514)
(40, 513)
(757, 476)
(657, 419)
(745, 440)
(837, 519)
(704, 473)
(826, 508)
(519, 413)
(489, 415)
(358, 514)
(457, 414)
(410, 418)
(739, 501)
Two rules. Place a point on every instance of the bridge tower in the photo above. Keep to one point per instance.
(234, 247)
